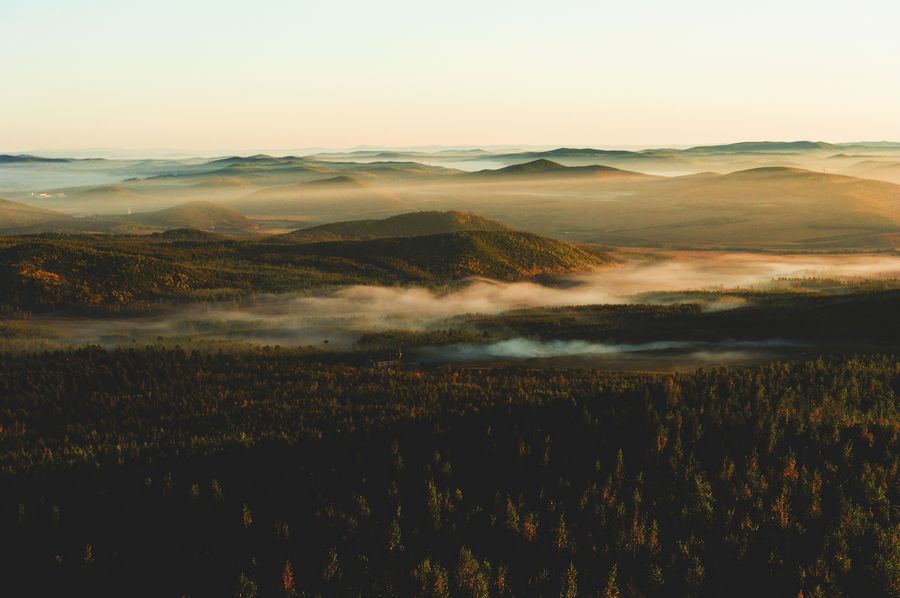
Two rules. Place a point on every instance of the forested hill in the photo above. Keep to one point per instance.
(39, 272)
(404, 225)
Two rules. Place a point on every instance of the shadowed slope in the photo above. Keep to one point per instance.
(48, 272)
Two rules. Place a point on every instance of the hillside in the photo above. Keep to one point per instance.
(549, 168)
(562, 152)
(778, 195)
(765, 146)
(15, 215)
(306, 169)
(538, 166)
(102, 270)
(499, 255)
(202, 215)
(27, 158)
(825, 193)
(767, 207)
(673, 161)
(884, 170)
(760, 207)
(341, 180)
(405, 225)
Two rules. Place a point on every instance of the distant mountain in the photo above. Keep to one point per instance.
(25, 158)
(202, 215)
(405, 225)
(538, 166)
(405, 155)
(764, 146)
(257, 159)
(14, 215)
(826, 191)
(563, 152)
(887, 145)
(658, 160)
(784, 194)
(759, 207)
(280, 167)
(544, 167)
(342, 180)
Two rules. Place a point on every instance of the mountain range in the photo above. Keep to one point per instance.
(772, 195)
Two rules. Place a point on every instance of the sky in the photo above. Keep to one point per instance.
(269, 74)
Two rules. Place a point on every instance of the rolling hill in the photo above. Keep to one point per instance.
(673, 161)
(14, 215)
(201, 215)
(777, 195)
(761, 207)
(306, 169)
(27, 158)
(764, 146)
(548, 168)
(885, 170)
(81, 270)
(405, 225)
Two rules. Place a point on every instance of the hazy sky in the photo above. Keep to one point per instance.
(274, 74)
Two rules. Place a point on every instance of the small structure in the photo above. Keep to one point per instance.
(388, 364)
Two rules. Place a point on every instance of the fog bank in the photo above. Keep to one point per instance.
(337, 318)
(523, 348)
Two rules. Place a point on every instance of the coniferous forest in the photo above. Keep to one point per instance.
(264, 472)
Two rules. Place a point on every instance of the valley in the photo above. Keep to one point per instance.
(452, 372)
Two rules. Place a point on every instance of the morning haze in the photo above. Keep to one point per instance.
(449, 299)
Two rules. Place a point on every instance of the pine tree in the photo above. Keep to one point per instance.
(287, 579)
(432, 580)
(570, 583)
(612, 585)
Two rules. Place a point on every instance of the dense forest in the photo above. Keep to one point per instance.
(269, 472)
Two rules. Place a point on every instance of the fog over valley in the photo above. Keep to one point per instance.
(338, 319)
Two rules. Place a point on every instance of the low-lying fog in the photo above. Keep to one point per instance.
(336, 319)
(523, 348)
